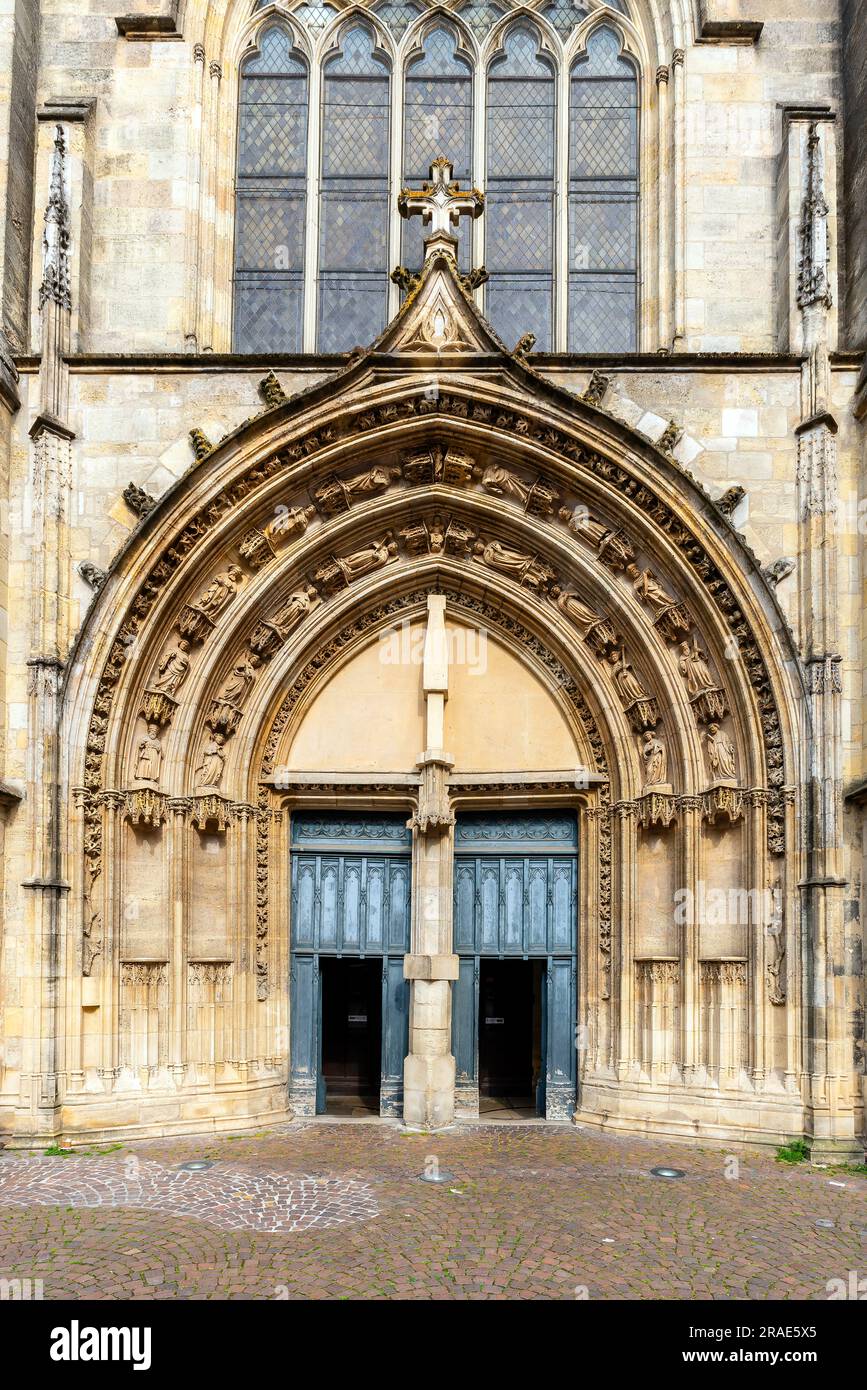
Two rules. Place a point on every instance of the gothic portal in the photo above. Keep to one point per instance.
(437, 725)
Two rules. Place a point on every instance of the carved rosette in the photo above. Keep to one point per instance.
(157, 708)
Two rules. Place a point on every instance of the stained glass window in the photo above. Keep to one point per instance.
(271, 197)
(603, 198)
(438, 120)
(353, 221)
(519, 237)
(308, 278)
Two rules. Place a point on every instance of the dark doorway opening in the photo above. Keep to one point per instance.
(351, 1035)
(511, 1080)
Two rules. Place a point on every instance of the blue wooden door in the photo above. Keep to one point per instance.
(351, 879)
(516, 895)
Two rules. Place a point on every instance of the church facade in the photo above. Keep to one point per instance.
(433, 654)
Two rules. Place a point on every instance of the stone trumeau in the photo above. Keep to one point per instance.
(428, 553)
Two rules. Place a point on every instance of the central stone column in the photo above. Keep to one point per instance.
(429, 1069)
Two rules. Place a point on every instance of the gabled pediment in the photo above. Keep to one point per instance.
(439, 315)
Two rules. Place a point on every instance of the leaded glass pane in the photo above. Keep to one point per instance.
(271, 197)
(438, 120)
(566, 14)
(398, 15)
(481, 15)
(353, 232)
(519, 237)
(315, 16)
(603, 198)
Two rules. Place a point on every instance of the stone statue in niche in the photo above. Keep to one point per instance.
(221, 590)
(655, 760)
(628, 685)
(338, 494)
(173, 669)
(720, 755)
(538, 498)
(210, 770)
(612, 546)
(242, 677)
(296, 607)
(343, 569)
(670, 617)
(523, 568)
(641, 707)
(706, 698)
(597, 631)
(149, 756)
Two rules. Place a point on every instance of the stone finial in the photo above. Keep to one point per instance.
(814, 283)
(56, 233)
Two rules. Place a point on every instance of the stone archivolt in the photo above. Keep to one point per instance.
(591, 569)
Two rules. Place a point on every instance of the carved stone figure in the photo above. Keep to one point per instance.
(502, 482)
(523, 568)
(730, 499)
(655, 761)
(693, 666)
(296, 607)
(648, 588)
(337, 494)
(221, 590)
(288, 521)
(720, 755)
(628, 685)
(707, 698)
(612, 546)
(149, 756)
(595, 630)
(173, 669)
(243, 674)
(343, 569)
(210, 770)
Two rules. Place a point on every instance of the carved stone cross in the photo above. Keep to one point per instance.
(441, 201)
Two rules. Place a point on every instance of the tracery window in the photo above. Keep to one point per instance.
(337, 112)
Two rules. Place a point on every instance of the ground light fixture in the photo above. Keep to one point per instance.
(668, 1172)
(196, 1165)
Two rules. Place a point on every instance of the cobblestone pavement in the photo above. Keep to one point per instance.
(336, 1211)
